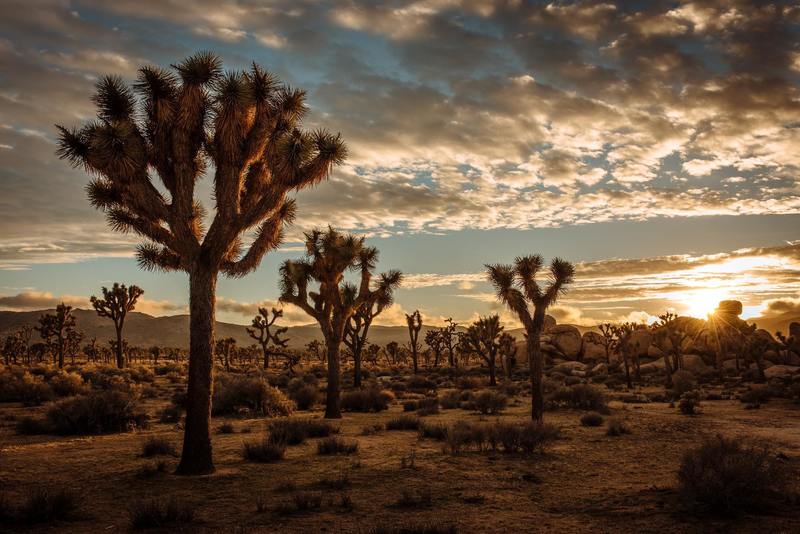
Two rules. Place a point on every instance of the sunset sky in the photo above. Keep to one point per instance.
(654, 144)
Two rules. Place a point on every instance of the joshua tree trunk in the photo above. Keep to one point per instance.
(332, 409)
(265, 349)
(196, 455)
(535, 364)
(627, 370)
(120, 353)
(492, 379)
(357, 365)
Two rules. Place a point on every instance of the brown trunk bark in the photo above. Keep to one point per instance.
(196, 456)
(357, 365)
(120, 354)
(535, 364)
(332, 408)
(492, 378)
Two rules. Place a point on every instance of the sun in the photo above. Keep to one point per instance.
(701, 302)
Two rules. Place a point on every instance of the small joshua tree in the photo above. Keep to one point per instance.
(115, 304)
(247, 126)
(355, 333)
(224, 349)
(57, 330)
(483, 338)
(414, 322)
(622, 338)
(329, 255)
(260, 331)
(450, 338)
(435, 342)
(508, 352)
(516, 286)
(607, 339)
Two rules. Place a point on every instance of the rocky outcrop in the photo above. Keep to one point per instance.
(566, 339)
(593, 349)
(781, 371)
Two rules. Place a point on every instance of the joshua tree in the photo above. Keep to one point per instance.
(56, 329)
(73, 345)
(90, 350)
(393, 352)
(435, 342)
(329, 255)
(450, 339)
(246, 126)
(516, 286)
(355, 333)
(754, 346)
(115, 304)
(315, 347)
(508, 352)
(262, 323)
(622, 337)
(483, 338)
(155, 352)
(224, 348)
(414, 322)
(607, 339)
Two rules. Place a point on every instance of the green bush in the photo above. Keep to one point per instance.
(727, 477)
(366, 400)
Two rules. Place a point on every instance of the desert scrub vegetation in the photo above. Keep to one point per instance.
(689, 404)
(433, 430)
(99, 412)
(617, 427)
(19, 385)
(41, 506)
(526, 438)
(488, 402)
(159, 514)
(371, 399)
(304, 392)
(242, 395)
(683, 382)
(296, 431)
(727, 477)
(417, 528)
(263, 450)
(579, 396)
(157, 446)
(592, 419)
(334, 445)
(403, 422)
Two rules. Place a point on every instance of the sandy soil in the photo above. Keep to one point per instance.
(588, 482)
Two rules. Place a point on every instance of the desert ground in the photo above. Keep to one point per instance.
(585, 481)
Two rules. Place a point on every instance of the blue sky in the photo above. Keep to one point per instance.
(663, 134)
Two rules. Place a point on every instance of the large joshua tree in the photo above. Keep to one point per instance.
(517, 288)
(246, 125)
(115, 304)
(357, 328)
(329, 254)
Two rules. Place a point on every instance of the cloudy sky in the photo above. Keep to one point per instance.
(655, 144)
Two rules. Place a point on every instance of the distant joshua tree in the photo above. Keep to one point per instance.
(260, 331)
(435, 342)
(315, 348)
(449, 337)
(357, 328)
(483, 338)
(607, 339)
(622, 337)
(508, 352)
(329, 255)
(414, 322)
(58, 330)
(516, 286)
(247, 126)
(115, 304)
(225, 348)
(393, 352)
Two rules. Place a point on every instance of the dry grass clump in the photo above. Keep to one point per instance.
(335, 445)
(403, 422)
(422, 498)
(725, 476)
(366, 400)
(526, 438)
(489, 402)
(40, 506)
(239, 395)
(157, 514)
(157, 446)
(435, 431)
(579, 396)
(617, 427)
(592, 419)
(99, 412)
(296, 431)
(263, 451)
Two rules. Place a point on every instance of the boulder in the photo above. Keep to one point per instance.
(600, 369)
(654, 352)
(729, 307)
(569, 368)
(794, 330)
(593, 348)
(695, 364)
(549, 322)
(781, 371)
(640, 342)
(567, 339)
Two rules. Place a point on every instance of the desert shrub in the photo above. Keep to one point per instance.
(617, 427)
(235, 395)
(18, 385)
(403, 422)
(226, 428)
(468, 382)
(366, 400)
(338, 482)
(141, 374)
(581, 397)
(296, 431)
(334, 445)
(29, 426)
(99, 412)
(151, 471)
(756, 395)
(171, 414)
(689, 403)
(263, 451)
(417, 528)
(450, 399)
(527, 438)
(418, 382)
(369, 430)
(462, 435)
(305, 397)
(46, 506)
(728, 477)
(67, 384)
(157, 446)
(683, 381)
(435, 431)
(489, 402)
(158, 514)
(169, 368)
(591, 419)
(427, 406)
(105, 377)
(300, 502)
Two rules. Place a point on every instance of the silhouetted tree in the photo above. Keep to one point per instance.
(115, 304)
(56, 329)
(516, 286)
(450, 340)
(314, 347)
(622, 338)
(91, 350)
(507, 346)
(328, 255)
(247, 126)
(483, 338)
(435, 342)
(357, 328)
(607, 339)
(224, 348)
(414, 322)
(393, 353)
(260, 331)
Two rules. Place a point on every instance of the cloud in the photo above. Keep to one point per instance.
(39, 300)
